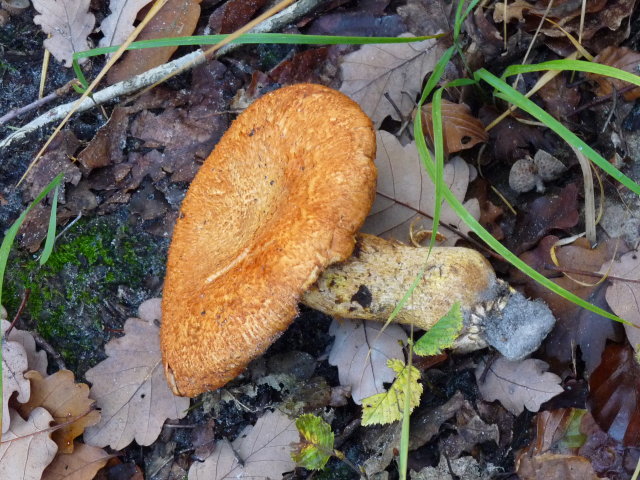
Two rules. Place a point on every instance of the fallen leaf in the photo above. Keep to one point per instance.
(427, 18)
(36, 359)
(69, 23)
(517, 385)
(361, 350)
(316, 442)
(14, 364)
(550, 466)
(361, 23)
(389, 406)
(466, 468)
(65, 400)
(119, 24)
(510, 11)
(560, 99)
(177, 18)
(394, 69)
(461, 130)
(619, 57)
(401, 199)
(624, 297)
(615, 394)
(260, 452)
(470, 432)
(26, 449)
(426, 422)
(130, 387)
(233, 14)
(82, 464)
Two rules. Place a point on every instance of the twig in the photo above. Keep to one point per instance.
(44, 345)
(587, 273)
(277, 22)
(23, 303)
(16, 112)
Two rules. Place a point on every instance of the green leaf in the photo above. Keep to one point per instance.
(442, 334)
(316, 442)
(387, 407)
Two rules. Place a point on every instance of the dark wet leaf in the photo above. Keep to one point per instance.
(233, 14)
(559, 99)
(363, 23)
(619, 57)
(615, 394)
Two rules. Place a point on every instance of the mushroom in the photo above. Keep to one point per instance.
(278, 202)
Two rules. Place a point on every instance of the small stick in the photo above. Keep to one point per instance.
(44, 345)
(587, 273)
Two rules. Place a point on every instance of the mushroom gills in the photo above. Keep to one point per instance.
(371, 283)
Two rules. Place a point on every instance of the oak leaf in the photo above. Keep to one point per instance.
(14, 364)
(393, 69)
(68, 402)
(82, 464)
(26, 448)
(405, 192)
(69, 23)
(517, 385)
(260, 452)
(361, 350)
(130, 387)
(36, 359)
(118, 25)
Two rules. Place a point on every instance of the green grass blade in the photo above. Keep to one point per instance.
(256, 38)
(438, 151)
(51, 231)
(460, 17)
(511, 95)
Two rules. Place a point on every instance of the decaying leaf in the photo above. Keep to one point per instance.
(26, 449)
(361, 350)
(14, 364)
(65, 400)
(394, 69)
(130, 387)
(461, 130)
(69, 23)
(518, 384)
(388, 407)
(615, 394)
(36, 359)
(262, 451)
(82, 464)
(401, 196)
(551, 466)
(177, 18)
(316, 442)
(624, 297)
(120, 22)
(619, 57)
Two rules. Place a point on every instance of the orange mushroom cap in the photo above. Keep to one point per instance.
(279, 199)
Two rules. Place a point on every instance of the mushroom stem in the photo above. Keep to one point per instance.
(379, 273)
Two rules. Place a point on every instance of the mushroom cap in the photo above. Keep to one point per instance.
(279, 199)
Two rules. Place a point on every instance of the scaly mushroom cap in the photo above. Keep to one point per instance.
(279, 199)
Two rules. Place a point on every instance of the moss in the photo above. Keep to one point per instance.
(77, 296)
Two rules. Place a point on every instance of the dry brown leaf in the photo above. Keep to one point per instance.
(394, 69)
(82, 464)
(178, 18)
(117, 27)
(36, 359)
(14, 364)
(69, 23)
(619, 57)
(461, 130)
(361, 350)
(513, 11)
(130, 387)
(401, 194)
(624, 297)
(260, 452)
(551, 466)
(517, 385)
(65, 400)
(26, 449)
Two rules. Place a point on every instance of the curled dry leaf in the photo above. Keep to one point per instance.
(130, 388)
(361, 350)
(400, 196)
(68, 402)
(26, 449)
(261, 452)
(518, 384)
(36, 359)
(119, 24)
(82, 464)
(615, 394)
(14, 364)
(69, 23)
(394, 69)
(461, 130)
(177, 18)
(619, 57)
